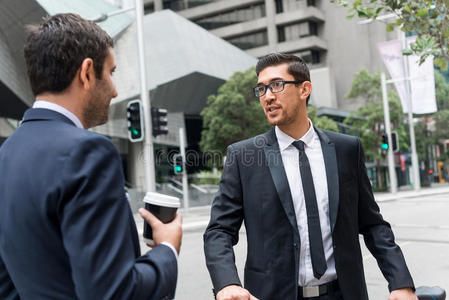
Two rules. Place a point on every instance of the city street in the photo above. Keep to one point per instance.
(420, 224)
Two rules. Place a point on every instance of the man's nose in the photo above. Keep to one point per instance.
(269, 95)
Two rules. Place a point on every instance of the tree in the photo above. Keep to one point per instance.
(441, 91)
(429, 19)
(368, 121)
(233, 114)
(323, 122)
(440, 119)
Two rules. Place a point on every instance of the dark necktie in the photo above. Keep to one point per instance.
(313, 218)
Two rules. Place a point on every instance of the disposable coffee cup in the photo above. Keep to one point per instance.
(164, 207)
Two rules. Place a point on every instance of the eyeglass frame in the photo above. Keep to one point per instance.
(267, 86)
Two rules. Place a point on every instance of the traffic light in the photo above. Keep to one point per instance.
(159, 121)
(135, 121)
(394, 141)
(384, 144)
(178, 164)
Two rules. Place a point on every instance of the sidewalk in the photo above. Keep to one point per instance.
(198, 217)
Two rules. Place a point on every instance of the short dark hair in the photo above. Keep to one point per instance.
(297, 67)
(55, 49)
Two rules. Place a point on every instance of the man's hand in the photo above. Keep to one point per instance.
(170, 232)
(403, 294)
(234, 292)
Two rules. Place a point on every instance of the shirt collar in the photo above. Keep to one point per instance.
(284, 140)
(59, 109)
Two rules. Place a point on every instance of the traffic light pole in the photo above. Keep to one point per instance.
(150, 179)
(185, 186)
(391, 169)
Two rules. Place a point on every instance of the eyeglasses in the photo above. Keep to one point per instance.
(274, 86)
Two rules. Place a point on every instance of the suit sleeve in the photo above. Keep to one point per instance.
(222, 233)
(379, 237)
(99, 233)
(7, 289)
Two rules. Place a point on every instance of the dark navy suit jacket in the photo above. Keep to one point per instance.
(66, 228)
(254, 189)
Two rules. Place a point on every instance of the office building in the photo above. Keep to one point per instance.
(317, 30)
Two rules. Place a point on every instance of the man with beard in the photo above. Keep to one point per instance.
(305, 197)
(66, 228)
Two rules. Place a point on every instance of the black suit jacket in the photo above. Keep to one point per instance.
(254, 189)
(66, 228)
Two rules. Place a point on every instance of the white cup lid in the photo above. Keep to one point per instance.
(162, 200)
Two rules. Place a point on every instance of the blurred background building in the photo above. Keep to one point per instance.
(192, 48)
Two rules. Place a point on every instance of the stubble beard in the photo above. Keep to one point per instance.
(96, 111)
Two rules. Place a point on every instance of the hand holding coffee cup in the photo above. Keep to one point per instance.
(162, 221)
(171, 232)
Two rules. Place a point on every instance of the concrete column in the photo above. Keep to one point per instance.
(158, 5)
(271, 25)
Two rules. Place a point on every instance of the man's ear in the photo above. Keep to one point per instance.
(87, 73)
(306, 89)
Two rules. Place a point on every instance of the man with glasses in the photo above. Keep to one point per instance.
(305, 197)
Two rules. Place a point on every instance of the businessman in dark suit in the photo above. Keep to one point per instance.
(66, 228)
(304, 196)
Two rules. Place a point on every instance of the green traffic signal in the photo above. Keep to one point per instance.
(384, 146)
(178, 169)
(133, 130)
(135, 124)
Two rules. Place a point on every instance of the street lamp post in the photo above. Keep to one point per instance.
(150, 180)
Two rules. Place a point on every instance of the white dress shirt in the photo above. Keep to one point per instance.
(58, 108)
(290, 159)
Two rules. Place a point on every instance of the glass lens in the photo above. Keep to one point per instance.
(277, 86)
(259, 90)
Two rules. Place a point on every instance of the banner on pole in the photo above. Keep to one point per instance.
(422, 83)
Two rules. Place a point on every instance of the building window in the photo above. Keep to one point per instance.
(178, 5)
(248, 41)
(242, 14)
(279, 7)
(175, 5)
(309, 56)
(297, 30)
(281, 34)
(292, 5)
(311, 3)
(194, 3)
(148, 8)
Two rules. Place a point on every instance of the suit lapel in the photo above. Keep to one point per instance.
(330, 162)
(274, 161)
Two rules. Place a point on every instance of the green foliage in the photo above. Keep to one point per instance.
(323, 122)
(441, 91)
(440, 130)
(429, 19)
(233, 114)
(368, 121)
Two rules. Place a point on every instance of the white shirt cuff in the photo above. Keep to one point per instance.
(172, 248)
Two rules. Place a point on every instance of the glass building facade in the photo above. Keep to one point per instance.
(251, 40)
(242, 14)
